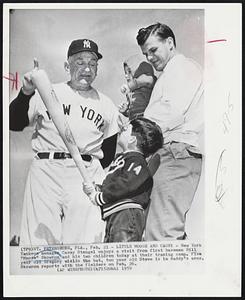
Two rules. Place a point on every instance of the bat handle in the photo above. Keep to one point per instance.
(83, 171)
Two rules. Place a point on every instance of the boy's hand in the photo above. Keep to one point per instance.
(88, 188)
(97, 187)
(92, 198)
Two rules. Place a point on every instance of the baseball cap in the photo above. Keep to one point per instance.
(83, 45)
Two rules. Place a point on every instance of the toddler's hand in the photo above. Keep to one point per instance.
(132, 84)
(123, 108)
(125, 89)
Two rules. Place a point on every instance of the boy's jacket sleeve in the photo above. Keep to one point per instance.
(127, 177)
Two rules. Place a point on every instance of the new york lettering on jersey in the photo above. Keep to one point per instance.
(90, 120)
(86, 112)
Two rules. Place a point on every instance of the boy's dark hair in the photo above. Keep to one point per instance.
(148, 134)
(159, 29)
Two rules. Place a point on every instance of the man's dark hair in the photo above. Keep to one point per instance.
(159, 29)
(148, 134)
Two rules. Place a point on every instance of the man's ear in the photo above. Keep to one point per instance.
(67, 67)
(132, 139)
(171, 43)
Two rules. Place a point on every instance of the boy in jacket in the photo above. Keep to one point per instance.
(125, 193)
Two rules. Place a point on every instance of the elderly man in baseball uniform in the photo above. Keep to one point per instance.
(55, 209)
(176, 105)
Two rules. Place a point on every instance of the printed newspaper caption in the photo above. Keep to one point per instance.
(106, 257)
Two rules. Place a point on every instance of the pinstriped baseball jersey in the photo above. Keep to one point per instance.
(91, 120)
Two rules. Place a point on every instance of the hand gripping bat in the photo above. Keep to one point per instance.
(40, 79)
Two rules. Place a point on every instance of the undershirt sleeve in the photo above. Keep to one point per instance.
(109, 149)
(18, 112)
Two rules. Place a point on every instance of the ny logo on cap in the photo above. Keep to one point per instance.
(86, 44)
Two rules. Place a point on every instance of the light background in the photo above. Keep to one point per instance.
(47, 34)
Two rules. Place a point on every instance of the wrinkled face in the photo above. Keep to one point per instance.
(83, 69)
(157, 51)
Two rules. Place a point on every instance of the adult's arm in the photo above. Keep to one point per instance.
(109, 149)
(18, 112)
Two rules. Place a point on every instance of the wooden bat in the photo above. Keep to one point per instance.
(47, 93)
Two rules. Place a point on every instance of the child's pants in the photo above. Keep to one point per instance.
(125, 226)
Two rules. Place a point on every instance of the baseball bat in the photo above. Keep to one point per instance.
(47, 93)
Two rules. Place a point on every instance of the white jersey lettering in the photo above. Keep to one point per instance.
(86, 44)
(136, 169)
(118, 163)
(130, 167)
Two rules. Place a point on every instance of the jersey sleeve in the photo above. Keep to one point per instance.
(127, 177)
